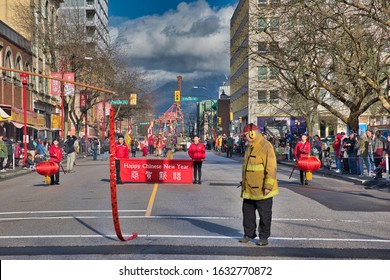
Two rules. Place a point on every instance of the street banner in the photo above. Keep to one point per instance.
(69, 88)
(55, 86)
(156, 171)
(83, 99)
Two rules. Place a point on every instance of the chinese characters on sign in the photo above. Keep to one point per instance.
(156, 171)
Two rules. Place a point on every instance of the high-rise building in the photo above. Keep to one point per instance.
(93, 14)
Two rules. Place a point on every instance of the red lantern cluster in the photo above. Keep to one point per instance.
(47, 168)
(309, 163)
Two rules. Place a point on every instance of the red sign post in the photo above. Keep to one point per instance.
(156, 171)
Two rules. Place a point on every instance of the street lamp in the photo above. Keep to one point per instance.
(24, 78)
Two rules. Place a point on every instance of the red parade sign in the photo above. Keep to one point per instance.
(156, 171)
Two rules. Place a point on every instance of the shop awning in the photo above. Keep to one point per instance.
(20, 125)
(17, 125)
(4, 116)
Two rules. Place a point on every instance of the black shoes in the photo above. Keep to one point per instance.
(119, 182)
(197, 182)
(245, 239)
(306, 182)
(262, 242)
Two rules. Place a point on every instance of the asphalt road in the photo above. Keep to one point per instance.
(329, 219)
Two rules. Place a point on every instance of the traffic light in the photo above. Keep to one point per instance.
(219, 120)
(133, 99)
(177, 95)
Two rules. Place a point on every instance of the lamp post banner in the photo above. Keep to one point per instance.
(68, 87)
(55, 85)
(156, 171)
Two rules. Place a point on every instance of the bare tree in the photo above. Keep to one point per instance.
(329, 52)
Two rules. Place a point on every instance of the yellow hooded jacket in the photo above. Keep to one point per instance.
(259, 170)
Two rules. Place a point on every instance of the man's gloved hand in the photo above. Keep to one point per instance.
(239, 185)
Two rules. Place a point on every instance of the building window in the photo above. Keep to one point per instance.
(273, 47)
(273, 96)
(274, 2)
(262, 73)
(274, 24)
(262, 2)
(261, 97)
(262, 24)
(262, 47)
(273, 73)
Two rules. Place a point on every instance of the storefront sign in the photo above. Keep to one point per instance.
(156, 171)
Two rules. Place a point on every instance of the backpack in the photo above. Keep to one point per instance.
(66, 148)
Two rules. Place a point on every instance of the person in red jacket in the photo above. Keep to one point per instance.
(302, 149)
(197, 152)
(121, 152)
(55, 156)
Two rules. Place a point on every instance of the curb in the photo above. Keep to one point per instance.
(330, 173)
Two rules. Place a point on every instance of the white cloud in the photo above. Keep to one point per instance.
(192, 40)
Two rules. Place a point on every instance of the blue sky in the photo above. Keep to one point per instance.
(165, 38)
(137, 8)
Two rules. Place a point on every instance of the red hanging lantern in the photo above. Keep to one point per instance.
(309, 163)
(47, 168)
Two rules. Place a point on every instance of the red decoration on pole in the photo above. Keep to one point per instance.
(309, 163)
(24, 78)
(62, 101)
(114, 200)
(47, 168)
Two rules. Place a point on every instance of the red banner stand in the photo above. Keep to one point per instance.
(156, 171)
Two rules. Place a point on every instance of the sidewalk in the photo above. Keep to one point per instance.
(367, 181)
(18, 171)
(14, 172)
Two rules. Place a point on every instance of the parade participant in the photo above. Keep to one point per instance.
(197, 152)
(302, 149)
(55, 156)
(258, 185)
(145, 148)
(159, 145)
(3, 153)
(121, 152)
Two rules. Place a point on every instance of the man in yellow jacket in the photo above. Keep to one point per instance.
(259, 185)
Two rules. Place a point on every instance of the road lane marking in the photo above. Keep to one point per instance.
(172, 217)
(67, 211)
(357, 240)
(151, 200)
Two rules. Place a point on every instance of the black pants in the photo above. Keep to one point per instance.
(1, 163)
(9, 161)
(302, 175)
(229, 152)
(197, 170)
(55, 179)
(118, 171)
(264, 208)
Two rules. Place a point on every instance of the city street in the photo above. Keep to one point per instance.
(328, 219)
